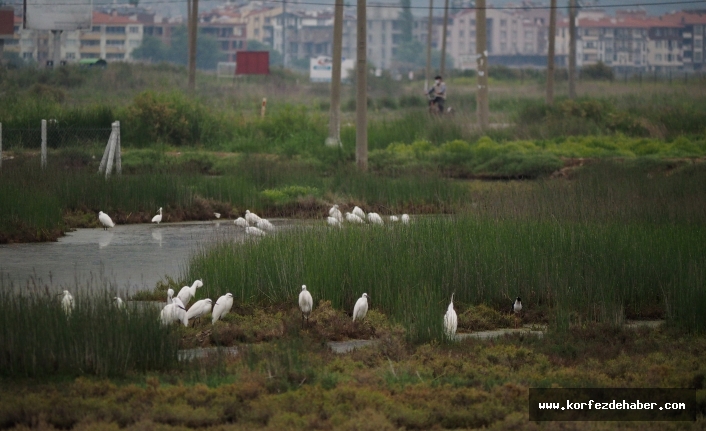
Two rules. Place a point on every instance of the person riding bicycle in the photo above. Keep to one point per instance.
(437, 93)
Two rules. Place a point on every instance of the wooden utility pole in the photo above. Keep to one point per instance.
(193, 30)
(550, 53)
(572, 49)
(361, 132)
(334, 120)
(429, 29)
(442, 69)
(482, 66)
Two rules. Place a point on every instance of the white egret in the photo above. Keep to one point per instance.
(188, 292)
(265, 225)
(333, 221)
(67, 302)
(450, 319)
(252, 230)
(218, 215)
(119, 303)
(335, 213)
(405, 218)
(517, 307)
(394, 218)
(374, 218)
(251, 217)
(359, 212)
(222, 307)
(241, 222)
(105, 220)
(306, 303)
(170, 295)
(361, 307)
(352, 218)
(174, 312)
(158, 218)
(200, 308)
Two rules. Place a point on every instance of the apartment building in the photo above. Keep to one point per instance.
(693, 32)
(112, 37)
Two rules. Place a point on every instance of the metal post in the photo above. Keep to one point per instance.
(442, 68)
(429, 30)
(193, 35)
(111, 151)
(118, 152)
(44, 144)
(334, 121)
(482, 66)
(361, 133)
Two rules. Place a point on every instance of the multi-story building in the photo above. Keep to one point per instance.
(693, 32)
(112, 37)
(230, 34)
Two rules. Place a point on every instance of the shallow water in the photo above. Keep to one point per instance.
(126, 258)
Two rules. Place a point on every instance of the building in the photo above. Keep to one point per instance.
(693, 31)
(112, 37)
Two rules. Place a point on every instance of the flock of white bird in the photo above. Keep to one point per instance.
(336, 218)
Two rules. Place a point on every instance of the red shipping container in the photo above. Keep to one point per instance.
(252, 63)
(7, 21)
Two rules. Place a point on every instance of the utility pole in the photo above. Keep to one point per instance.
(334, 120)
(550, 53)
(442, 69)
(284, 34)
(429, 29)
(193, 34)
(361, 109)
(482, 65)
(572, 49)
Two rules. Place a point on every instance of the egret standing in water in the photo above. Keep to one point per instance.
(67, 302)
(105, 220)
(187, 293)
(158, 218)
(265, 224)
(352, 218)
(222, 307)
(450, 319)
(361, 307)
(252, 230)
(306, 304)
(516, 308)
(405, 218)
(374, 218)
(252, 218)
(241, 222)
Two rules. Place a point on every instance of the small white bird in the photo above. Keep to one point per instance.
(105, 220)
(450, 319)
(188, 292)
(252, 218)
(67, 302)
(222, 307)
(200, 308)
(352, 218)
(333, 221)
(359, 212)
(241, 222)
(174, 312)
(218, 215)
(306, 303)
(265, 224)
(170, 295)
(119, 303)
(252, 230)
(335, 213)
(374, 218)
(516, 308)
(394, 218)
(361, 307)
(158, 218)
(405, 218)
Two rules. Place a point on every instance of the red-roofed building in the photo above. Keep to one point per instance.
(693, 32)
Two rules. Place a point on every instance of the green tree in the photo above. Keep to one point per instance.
(208, 52)
(152, 49)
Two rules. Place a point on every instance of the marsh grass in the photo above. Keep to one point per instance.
(39, 339)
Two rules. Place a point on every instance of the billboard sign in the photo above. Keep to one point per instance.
(7, 21)
(321, 69)
(252, 63)
(45, 15)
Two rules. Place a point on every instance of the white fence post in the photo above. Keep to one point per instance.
(111, 151)
(44, 144)
(118, 161)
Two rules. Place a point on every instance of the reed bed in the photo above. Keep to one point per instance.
(40, 339)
